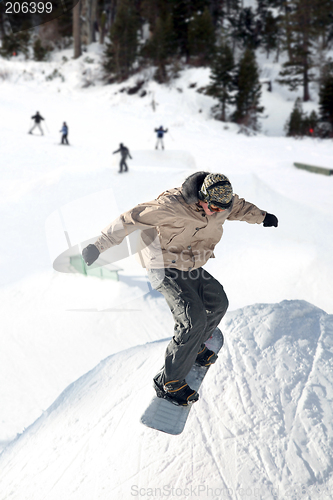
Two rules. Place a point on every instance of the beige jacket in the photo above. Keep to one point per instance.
(176, 233)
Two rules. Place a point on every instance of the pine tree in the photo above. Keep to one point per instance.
(41, 50)
(326, 98)
(65, 24)
(248, 92)
(153, 9)
(222, 78)
(2, 22)
(201, 37)
(16, 43)
(294, 126)
(181, 13)
(232, 7)
(297, 71)
(160, 47)
(310, 123)
(217, 10)
(270, 32)
(121, 52)
(299, 123)
(247, 28)
(323, 21)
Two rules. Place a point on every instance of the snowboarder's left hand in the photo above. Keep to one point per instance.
(270, 220)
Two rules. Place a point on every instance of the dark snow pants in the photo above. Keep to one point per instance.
(123, 164)
(198, 303)
(64, 139)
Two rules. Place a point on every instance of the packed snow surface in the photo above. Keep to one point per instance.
(262, 428)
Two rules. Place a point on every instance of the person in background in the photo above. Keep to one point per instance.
(37, 118)
(64, 131)
(160, 134)
(124, 152)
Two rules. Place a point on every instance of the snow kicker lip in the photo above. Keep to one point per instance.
(24, 15)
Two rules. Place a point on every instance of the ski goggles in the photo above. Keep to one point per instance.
(206, 195)
(214, 208)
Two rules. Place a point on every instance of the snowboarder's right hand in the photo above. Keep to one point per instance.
(90, 254)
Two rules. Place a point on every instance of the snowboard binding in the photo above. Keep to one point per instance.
(177, 393)
(206, 357)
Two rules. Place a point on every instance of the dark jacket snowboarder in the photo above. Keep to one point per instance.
(160, 134)
(124, 151)
(64, 131)
(37, 118)
(180, 230)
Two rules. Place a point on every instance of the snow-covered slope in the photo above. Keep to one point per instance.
(263, 423)
(56, 327)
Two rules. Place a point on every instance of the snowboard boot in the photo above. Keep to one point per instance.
(206, 357)
(176, 391)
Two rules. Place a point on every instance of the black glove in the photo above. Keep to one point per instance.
(270, 220)
(90, 254)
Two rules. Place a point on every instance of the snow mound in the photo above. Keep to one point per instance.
(260, 429)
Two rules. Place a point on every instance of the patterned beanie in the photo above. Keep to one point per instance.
(216, 189)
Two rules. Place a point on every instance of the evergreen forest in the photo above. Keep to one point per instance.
(224, 35)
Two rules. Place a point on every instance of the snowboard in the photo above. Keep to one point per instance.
(167, 417)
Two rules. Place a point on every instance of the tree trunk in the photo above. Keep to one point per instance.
(85, 21)
(93, 20)
(2, 29)
(88, 18)
(102, 27)
(306, 48)
(306, 93)
(288, 34)
(223, 111)
(77, 30)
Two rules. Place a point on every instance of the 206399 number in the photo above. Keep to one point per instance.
(28, 7)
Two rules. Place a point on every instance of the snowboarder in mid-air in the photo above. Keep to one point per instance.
(124, 151)
(160, 134)
(64, 131)
(38, 118)
(187, 222)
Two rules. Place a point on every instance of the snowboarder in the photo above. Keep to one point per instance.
(124, 151)
(188, 223)
(64, 131)
(38, 118)
(160, 134)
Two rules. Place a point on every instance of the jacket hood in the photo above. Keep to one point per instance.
(191, 187)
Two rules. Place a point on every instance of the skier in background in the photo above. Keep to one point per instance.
(124, 151)
(38, 118)
(64, 131)
(160, 133)
(187, 222)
